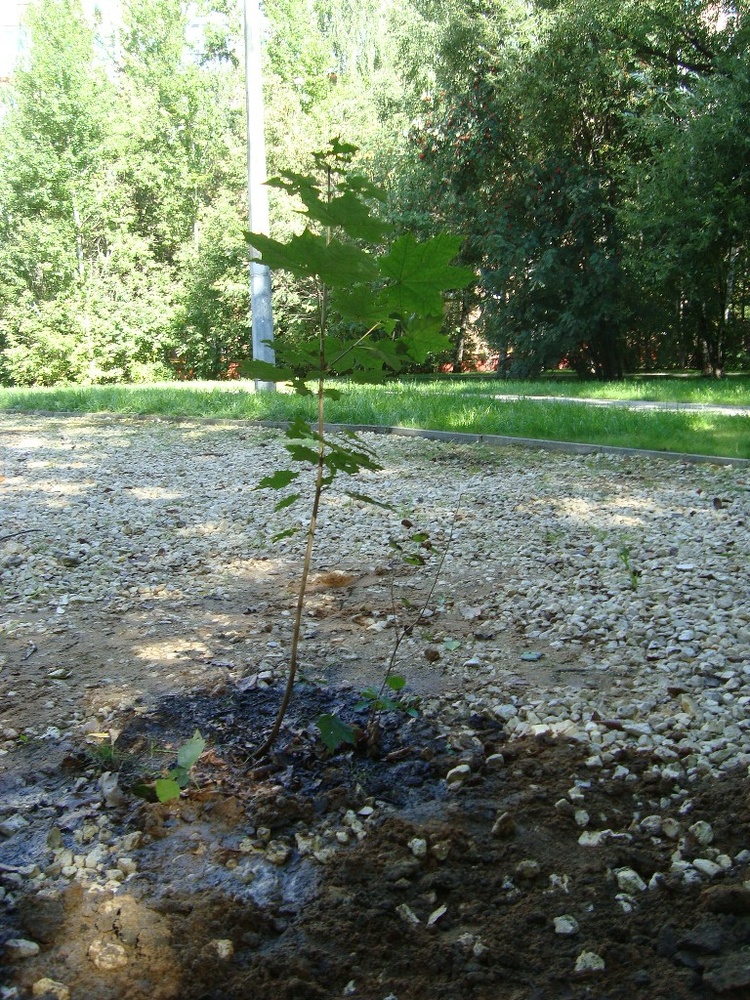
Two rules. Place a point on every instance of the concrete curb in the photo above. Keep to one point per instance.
(456, 437)
(500, 441)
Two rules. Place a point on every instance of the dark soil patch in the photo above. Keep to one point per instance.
(315, 876)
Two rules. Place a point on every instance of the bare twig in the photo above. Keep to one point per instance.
(15, 534)
(407, 629)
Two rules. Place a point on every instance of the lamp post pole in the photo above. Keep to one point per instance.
(257, 195)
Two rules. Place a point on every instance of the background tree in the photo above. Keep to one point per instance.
(590, 154)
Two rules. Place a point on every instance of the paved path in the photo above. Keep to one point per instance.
(635, 404)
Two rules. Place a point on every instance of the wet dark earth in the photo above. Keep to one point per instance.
(445, 865)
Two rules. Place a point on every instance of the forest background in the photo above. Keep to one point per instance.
(593, 155)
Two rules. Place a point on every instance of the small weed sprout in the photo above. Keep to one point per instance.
(170, 784)
(634, 574)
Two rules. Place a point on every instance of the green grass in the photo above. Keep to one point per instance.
(468, 405)
(734, 390)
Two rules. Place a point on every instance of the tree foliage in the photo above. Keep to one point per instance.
(591, 157)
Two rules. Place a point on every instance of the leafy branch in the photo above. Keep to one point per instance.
(392, 300)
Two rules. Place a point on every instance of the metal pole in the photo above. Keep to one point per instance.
(257, 194)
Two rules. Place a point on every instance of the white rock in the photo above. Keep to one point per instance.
(112, 794)
(702, 832)
(505, 712)
(95, 857)
(707, 867)
(223, 947)
(589, 961)
(594, 838)
(19, 948)
(566, 925)
(528, 868)
(457, 775)
(652, 825)
(50, 987)
(107, 955)
(407, 915)
(630, 881)
(418, 847)
(670, 828)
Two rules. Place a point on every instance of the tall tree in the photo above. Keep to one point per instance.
(54, 218)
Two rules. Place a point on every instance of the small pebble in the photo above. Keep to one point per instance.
(418, 847)
(20, 948)
(630, 881)
(589, 961)
(566, 925)
(457, 775)
(50, 988)
(223, 947)
(707, 867)
(702, 833)
(107, 955)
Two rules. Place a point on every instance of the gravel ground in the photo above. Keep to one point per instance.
(630, 577)
(597, 599)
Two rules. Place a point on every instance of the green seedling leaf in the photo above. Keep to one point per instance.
(277, 481)
(287, 533)
(365, 187)
(264, 371)
(396, 683)
(364, 498)
(420, 536)
(422, 272)
(300, 430)
(166, 789)
(424, 338)
(343, 150)
(180, 774)
(302, 453)
(310, 254)
(144, 791)
(413, 559)
(347, 211)
(287, 501)
(334, 732)
(190, 751)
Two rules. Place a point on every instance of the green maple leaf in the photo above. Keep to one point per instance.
(421, 273)
(309, 255)
(334, 732)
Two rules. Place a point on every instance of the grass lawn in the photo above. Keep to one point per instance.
(466, 404)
